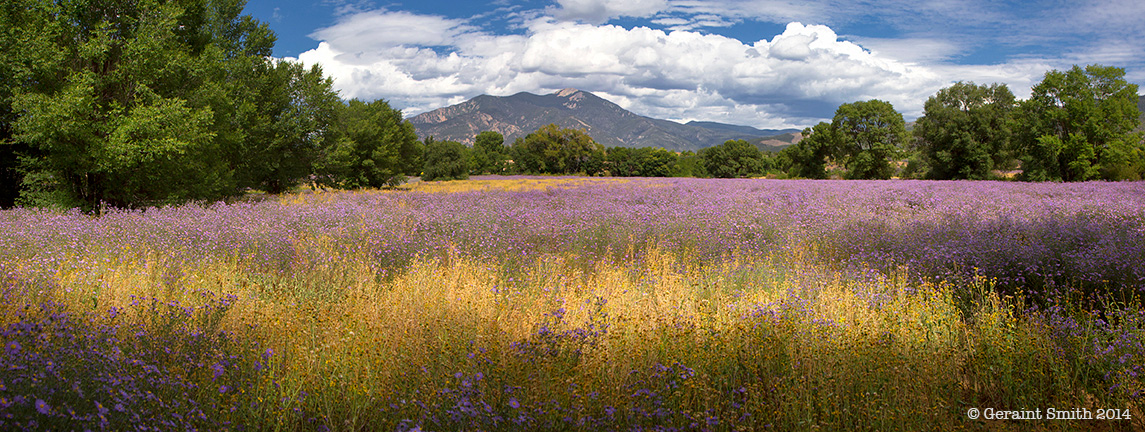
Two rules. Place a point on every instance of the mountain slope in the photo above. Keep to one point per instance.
(520, 114)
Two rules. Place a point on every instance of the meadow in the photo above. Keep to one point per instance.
(547, 303)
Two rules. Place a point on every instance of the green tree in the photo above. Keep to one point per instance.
(368, 150)
(809, 157)
(18, 50)
(594, 164)
(282, 141)
(445, 160)
(1079, 125)
(871, 135)
(688, 165)
(552, 150)
(965, 130)
(488, 153)
(106, 112)
(656, 162)
(621, 162)
(732, 159)
(144, 102)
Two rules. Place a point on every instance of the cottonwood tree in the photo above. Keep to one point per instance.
(445, 160)
(144, 102)
(1079, 125)
(965, 130)
(488, 153)
(294, 114)
(640, 162)
(553, 150)
(732, 159)
(809, 157)
(871, 135)
(367, 150)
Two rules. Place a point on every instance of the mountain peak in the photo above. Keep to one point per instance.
(567, 92)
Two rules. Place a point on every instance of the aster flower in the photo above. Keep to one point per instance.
(42, 407)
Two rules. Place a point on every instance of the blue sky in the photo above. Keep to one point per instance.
(768, 64)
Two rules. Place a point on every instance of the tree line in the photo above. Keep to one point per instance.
(135, 103)
(556, 151)
(1077, 125)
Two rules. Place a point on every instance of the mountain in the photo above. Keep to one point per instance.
(610, 125)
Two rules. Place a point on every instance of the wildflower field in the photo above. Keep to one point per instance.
(583, 304)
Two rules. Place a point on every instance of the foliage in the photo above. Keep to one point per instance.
(621, 163)
(1078, 125)
(105, 107)
(965, 131)
(732, 159)
(870, 135)
(808, 158)
(293, 120)
(688, 164)
(640, 162)
(150, 102)
(552, 150)
(10, 177)
(369, 149)
(916, 167)
(489, 155)
(445, 160)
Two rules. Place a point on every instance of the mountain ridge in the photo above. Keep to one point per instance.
(606, 122)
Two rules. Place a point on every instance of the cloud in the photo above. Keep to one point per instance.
(382, 29)
(918, 50)
(349, 7)
(600, 11)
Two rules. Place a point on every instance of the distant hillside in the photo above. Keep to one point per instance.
(520, 114)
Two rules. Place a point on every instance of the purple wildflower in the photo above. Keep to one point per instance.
(42, 407)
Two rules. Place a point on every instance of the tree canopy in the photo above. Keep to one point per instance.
(1079, 125)
(732, 159)
(553, 150)
(640, 162)
(809, 157)
(144, 102)
(488, 154)
(866, 137)
(965, 131)
(373, 148)
(870, 136)
(445, 160)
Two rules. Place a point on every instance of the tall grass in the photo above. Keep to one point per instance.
(570, 304)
